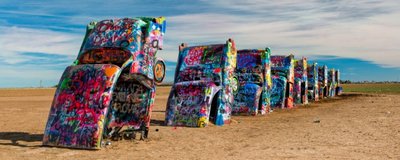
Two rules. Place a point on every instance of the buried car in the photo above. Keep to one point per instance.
(312, 75)
(204, 85)
(110, 86)
(300, 81)
(282, 73)
(323, 81)
(339, 88)
(254, 75)
(332, 83)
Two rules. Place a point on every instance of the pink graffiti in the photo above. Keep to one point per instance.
(194, 56)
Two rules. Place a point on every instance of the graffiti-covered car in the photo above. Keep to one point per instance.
(204, 85)
(254, 75)
(323, 81)
(312, 75)
(300, 81)
(110, 86)
(339, 88)
(282, 73)
(332, 83)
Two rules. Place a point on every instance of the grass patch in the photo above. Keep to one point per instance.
(391, 88)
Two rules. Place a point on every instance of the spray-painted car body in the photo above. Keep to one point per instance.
(282, 73)
(339, 88)
(253, 71)
(203, 86)
(332, 83)
(300, 81)
(323, 81)
(312, 75)
(110, 85)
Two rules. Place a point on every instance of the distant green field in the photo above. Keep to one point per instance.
(392, 88)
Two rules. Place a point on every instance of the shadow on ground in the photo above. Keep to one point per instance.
(16, 137)
(154, 122)
(158, 111)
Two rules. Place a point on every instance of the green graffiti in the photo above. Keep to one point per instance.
(65, 83)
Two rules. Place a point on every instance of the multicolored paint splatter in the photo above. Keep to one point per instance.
(203, 87)
(332, 83)
(282, 72)
(323, 81)
(254, 74)
(300, 81)
(77, 115)
(313, 90)
(111, 84)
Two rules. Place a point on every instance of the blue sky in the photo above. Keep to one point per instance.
(38, 39)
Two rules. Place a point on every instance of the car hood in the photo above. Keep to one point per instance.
(188, 104)
(247, 99)
(80, 105)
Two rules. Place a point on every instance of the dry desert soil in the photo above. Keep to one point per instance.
(352, 126)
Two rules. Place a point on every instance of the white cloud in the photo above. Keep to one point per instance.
(321, 30)
(28, 76)
(15, 40)
(206, 28)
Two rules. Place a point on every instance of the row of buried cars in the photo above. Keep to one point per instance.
(109, 90)
(213, 82)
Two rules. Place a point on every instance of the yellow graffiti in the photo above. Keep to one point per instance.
(202, 122)
(207, 91)
(231, 53)
(160, 20)
(100, 130)
(305, 64)
(269, 80)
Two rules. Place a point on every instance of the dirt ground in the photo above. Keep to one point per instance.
(353, 126)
